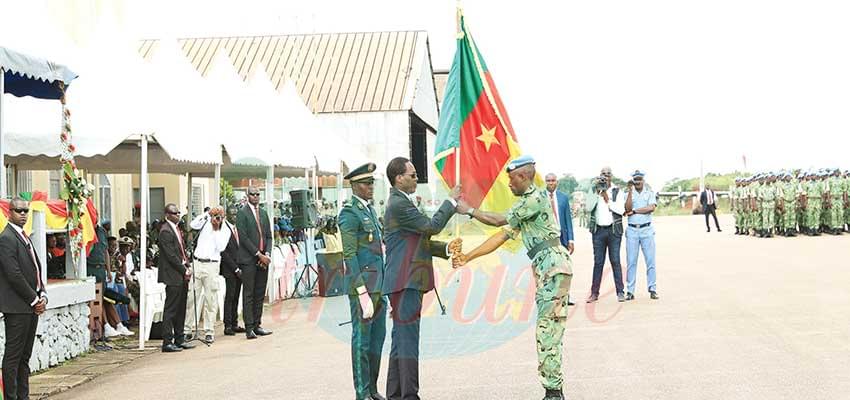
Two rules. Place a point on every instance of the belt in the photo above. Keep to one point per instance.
(206, 260)
(640, 226)
(603, 226)
(543, 246)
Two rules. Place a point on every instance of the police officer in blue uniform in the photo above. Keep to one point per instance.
(364, 274)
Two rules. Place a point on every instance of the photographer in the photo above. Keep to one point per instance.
(211, 241)
(606, 207)
(640, 204)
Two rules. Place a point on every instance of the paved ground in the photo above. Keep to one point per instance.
(739, 318)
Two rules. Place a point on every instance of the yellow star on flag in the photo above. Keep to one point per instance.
(488, 136)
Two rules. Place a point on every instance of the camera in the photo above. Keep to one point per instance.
(600, 184)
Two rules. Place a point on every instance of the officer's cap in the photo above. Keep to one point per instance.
(637, 173)
(520, 161)
(362, 174)
(126, 241)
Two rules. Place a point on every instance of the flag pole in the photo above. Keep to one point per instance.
(457, 182)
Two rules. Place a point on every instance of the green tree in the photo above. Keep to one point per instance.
(227, 198)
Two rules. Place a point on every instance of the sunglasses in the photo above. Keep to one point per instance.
(21, 210)
(413, 175)
(254, 194)
(173, 212)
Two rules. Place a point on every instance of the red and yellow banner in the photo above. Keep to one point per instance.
(55, 215)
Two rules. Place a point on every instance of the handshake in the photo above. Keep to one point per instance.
(456, 253)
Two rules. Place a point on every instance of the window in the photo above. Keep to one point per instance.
(54, 184)
(105, 196)
(156, 203)
(197, 200)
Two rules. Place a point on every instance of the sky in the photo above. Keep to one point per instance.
(659, 85)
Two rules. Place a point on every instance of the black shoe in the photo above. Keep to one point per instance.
(708, 230)
(653, 295)
(262, 332)
(554, 395)
(185, 346)
(592, 299)
(377, 396)
(249, 334)
(630, 296)
(209, 339)
(171, 348)
(229, 331)
(238, 329)
(570, 303)
(718, 229)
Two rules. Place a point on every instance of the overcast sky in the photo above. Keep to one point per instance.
(657, 84)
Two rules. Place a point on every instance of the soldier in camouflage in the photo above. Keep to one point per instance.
(788, 205)
(836, 203)
(532, 217)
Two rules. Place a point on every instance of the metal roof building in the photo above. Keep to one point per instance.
(374, 88)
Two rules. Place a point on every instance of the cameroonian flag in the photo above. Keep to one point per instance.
(473, 120)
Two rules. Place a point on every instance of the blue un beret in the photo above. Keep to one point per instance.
(519, 162)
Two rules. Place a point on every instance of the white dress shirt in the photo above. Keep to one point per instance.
(210, 242)
(604, 209)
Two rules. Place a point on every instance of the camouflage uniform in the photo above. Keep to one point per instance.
(814, 196)
(767, 197)
(736, 192)
(836, 197)
(531, 215)
(755, 207)
(847, 195)
(789, 203)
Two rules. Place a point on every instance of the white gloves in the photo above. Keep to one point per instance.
(365, 303)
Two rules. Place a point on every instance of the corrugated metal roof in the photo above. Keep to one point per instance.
(336, 72)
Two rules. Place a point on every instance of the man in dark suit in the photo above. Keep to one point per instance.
(232, 280)
(22, 299)
(409, 272)
(364, 273)
(560, 203)
(254, 257)
(708, 200)
(175, 272)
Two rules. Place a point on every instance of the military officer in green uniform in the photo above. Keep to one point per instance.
(533, 218)
(789, 205)
(847, 199)
(836, 203)
(364, 261)
(755, 204)
(814, 202)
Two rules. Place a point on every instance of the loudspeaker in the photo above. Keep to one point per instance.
(304, 213)
(331, 274)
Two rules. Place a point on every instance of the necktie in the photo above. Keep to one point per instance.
(554, 209)
(710, 197)
(235, 234)
(259, 229)
(180, 241)
(39, 285)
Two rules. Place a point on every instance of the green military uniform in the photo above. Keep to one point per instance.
(836, 198)
(847, 196)
(789, 203)
(814, 196)
(767, 207)
(363, 253)
(801, 212)
(553, 272)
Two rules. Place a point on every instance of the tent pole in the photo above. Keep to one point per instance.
(143, 243)
(217, 190)
(189, 197)
(270, 195)
(2, 147)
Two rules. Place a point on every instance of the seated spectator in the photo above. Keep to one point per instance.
(55, 258)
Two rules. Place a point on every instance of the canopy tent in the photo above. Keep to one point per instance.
(23, 75)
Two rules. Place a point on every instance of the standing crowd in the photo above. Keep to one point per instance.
(786, 204)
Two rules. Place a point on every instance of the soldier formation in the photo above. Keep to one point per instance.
(787, 204)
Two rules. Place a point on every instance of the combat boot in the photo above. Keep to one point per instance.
(554, 395)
